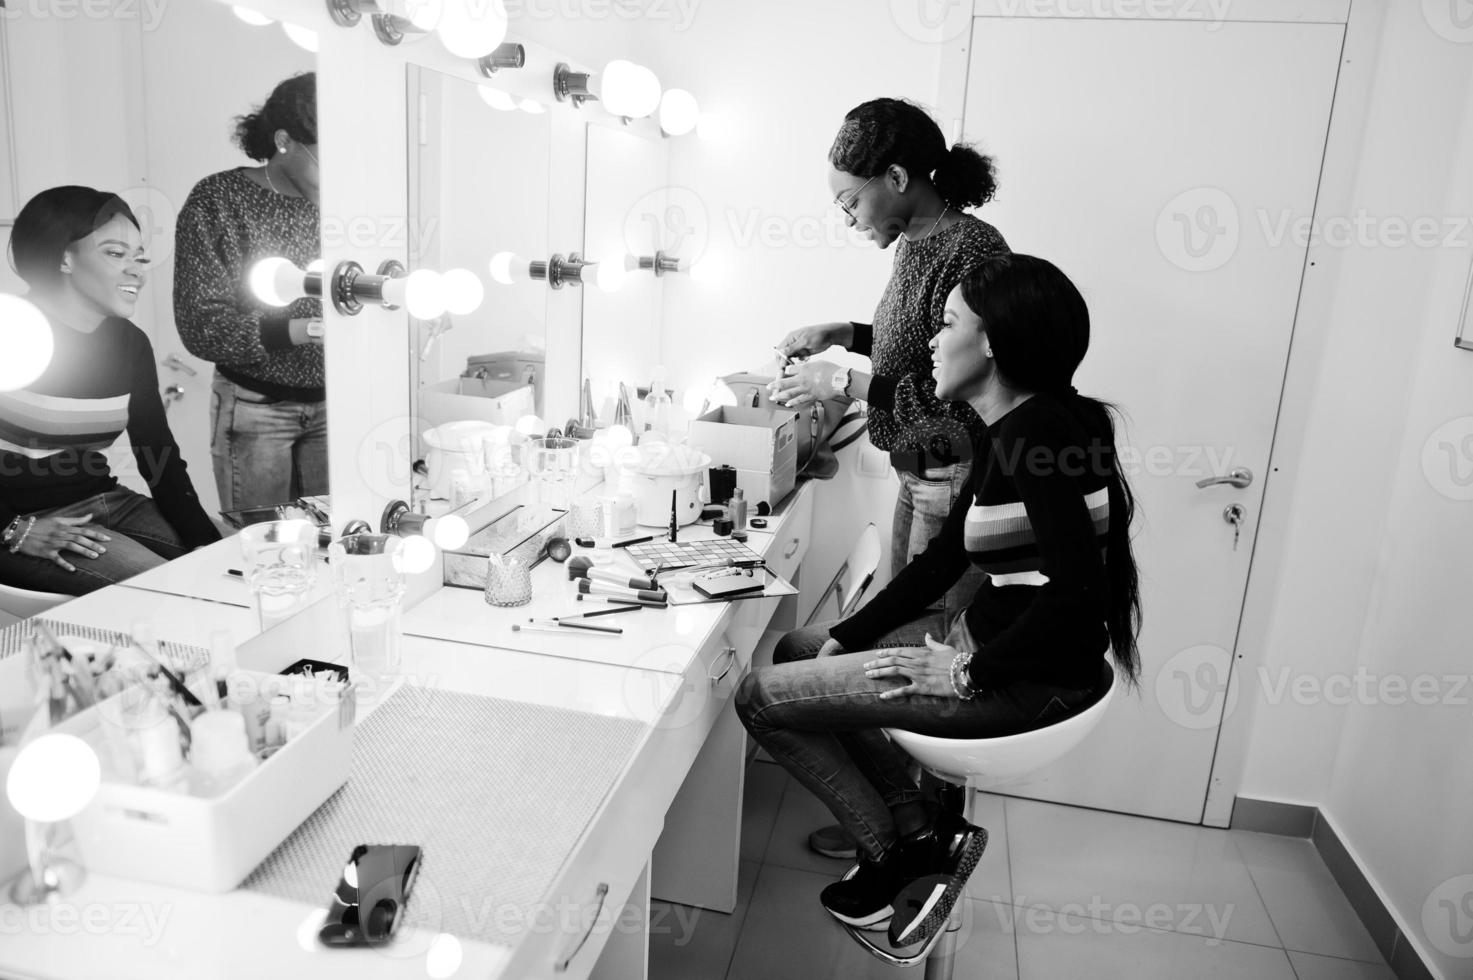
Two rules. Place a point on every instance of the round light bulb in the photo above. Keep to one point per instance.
(463, 291)
(620, 436)
(276, 282)
(450, 531)
(496, 98)
(679, 113)
(53, 778)
(424, 294)
(609, 275)
(418, 554)
(316, 265)
(629, 90)
(532, 106)
(472, 28)
(507, 268)
(28, 342)
(444, 957)
(301, 37)
(531, 425)
(253, 17)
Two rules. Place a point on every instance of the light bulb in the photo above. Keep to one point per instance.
(449, 532)
(609, 275)
(509, 267)
(721, 394)
(424, 294)
(418, 554)
(472, 28)
(444, 957)
(463, 291)
(531, 425)
(693, 401)
(629, 90)
(301, 36)
(315, 266)
(28, 342)
(496, 98)
(532, 106)
(253, 17)
(276, 282)
(53, 778)
(620, 436)
(678, 112)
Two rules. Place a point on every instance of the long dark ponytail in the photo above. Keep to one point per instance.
(885, 132)
(1037, 325)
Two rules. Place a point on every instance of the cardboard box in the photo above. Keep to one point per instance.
(461, 399)
(761, 444)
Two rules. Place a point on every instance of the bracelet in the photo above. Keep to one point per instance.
(961, 683)
(30, 523)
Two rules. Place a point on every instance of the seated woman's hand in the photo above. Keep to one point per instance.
(50, 537)
(927, 668)
(804, 384)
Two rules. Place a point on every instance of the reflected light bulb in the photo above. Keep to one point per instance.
(28, 342)
(418, 554)
(449, 532)
(531, 425)
(695, 399)
(444, 957)
(532, 105)
(508, 267)
(424, 294)
(678, 112)
(276, 282)
(629, 90)
(253, 17)
(301, 36)
(496, 98)
(472, 28)
(463, 291)
(53, 778)
(620, 436)
(609, 275)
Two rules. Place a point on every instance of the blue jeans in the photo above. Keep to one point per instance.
(141, 539)
(265, 452)
(920, 510)
(821, 719)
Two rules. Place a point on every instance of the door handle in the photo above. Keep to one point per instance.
(1240, 477)
(176, 363)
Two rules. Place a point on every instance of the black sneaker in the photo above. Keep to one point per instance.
(924, 903)
(862, 897)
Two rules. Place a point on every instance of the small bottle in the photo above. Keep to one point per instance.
(280, 707)
(461, 490)
(222, 665)
(161, 756)
(250, 701)
(220, 754)
(738, 510)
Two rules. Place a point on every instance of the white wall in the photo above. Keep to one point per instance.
(1375, 570)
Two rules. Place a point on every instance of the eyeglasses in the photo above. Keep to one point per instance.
(848, 206)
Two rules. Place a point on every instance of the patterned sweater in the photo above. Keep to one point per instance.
(1034, 515)
(228, 224)
(904, 413)
(98, 385)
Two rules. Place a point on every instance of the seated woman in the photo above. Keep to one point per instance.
(1046, 514)
(68, 525)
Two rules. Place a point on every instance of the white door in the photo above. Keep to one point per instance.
(1163, 166)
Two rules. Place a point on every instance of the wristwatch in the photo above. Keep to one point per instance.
(840, 381)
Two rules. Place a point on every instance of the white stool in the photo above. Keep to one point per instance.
(17, 604)
(979, 763)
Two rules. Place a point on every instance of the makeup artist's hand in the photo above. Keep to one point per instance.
(927, 668)
(805, 383)
(51, 536)
(807, 341)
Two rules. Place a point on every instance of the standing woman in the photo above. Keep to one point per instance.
(268, 420)
(68, 526)
(896, 181)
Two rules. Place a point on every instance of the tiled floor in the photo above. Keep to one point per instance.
(1060, 893)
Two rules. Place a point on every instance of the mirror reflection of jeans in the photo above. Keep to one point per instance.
(265, 452)
(141, 539)
(920, 510)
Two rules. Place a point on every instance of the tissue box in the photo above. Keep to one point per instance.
(210, 844)
(761, 444)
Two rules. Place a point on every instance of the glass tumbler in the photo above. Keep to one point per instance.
(368, 578)
(508, 581)
(280, 567)
(552, 463)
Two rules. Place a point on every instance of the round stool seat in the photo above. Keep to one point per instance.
(25, 603)
(989, 761)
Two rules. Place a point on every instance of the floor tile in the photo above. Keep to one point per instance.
(688, 943)
(1125, 870)
(788, 936)
(799, 815)
(1307, 907)
(1308, 966)
(761, 796)
(1053, 946)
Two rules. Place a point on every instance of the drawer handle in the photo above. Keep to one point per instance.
(561, 966)
(731, 658)
(794, 549)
